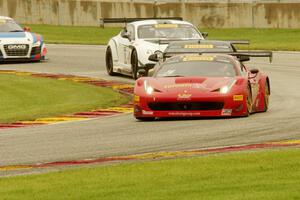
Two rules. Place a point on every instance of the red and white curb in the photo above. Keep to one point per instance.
(157, 155)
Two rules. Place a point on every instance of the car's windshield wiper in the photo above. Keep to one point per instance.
(16, 31)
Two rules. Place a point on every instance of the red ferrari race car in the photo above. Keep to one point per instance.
(207, 85)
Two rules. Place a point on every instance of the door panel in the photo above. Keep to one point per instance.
(124, 49)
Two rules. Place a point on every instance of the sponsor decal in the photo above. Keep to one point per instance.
(184, 96)
(188, 85)
(238, 97)
(166, 25)
(145, 112)
(184, 114)
(136, 99)
(198, 58)
(16, 47)
(226, 112)
(198, 46)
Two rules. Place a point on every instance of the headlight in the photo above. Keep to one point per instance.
(37, 44)
(225, 89)
(149, 90)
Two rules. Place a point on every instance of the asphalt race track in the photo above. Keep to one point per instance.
(123, 135)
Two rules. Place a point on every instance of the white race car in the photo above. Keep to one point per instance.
(17, 43)
(129, 50)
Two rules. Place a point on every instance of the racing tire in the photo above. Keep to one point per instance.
(249, 100)
(134, 64)
(266, 97)
(145, 118)
(109, 62)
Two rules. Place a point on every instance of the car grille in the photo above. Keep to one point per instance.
(185, 106)
(16, 51)
(35, 51)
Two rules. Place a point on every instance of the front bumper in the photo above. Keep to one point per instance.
(208, 106)
(30, 54)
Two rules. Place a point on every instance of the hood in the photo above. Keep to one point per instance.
(19, 37)
(154, 45)
(189, 84)
(12, 35)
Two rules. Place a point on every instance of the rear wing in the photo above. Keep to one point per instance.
(242, 56)
(202, 46)
(233, 42)
(246, 55)
(125, 20)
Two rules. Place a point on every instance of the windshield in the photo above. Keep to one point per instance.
(8, 25)
(196, 68)
(168, 31)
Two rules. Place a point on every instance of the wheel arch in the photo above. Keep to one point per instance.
(113, 47)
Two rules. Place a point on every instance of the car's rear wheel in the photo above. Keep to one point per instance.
(134, 64)
(109, 62)
(266, 96)
(249, 100)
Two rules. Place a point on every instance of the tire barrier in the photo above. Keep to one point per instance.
(123, 88)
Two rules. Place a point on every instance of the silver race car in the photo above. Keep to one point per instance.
(127, 52)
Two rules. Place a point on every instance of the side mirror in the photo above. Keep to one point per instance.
(141, 73)
(26, 29)
(205, 35)
(153, 58)
(125, 34)
(254, 71)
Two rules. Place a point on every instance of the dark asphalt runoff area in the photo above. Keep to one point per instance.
(123, 135)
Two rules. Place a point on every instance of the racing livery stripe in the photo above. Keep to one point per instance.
(34, 37)
(123, 88)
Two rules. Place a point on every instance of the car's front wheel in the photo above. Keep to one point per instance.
(109, 62)
(249, 100)
(266, 97)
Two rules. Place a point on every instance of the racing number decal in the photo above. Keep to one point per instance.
(127, 55)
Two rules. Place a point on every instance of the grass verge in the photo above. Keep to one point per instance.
(267, 175)
(27, 98)
(74, 34)
(268, 39)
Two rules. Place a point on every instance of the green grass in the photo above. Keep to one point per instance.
(74, 34)
(25, 98)
(268, 39)
(265, 175)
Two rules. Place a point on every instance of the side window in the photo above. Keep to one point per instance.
(130, 30)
